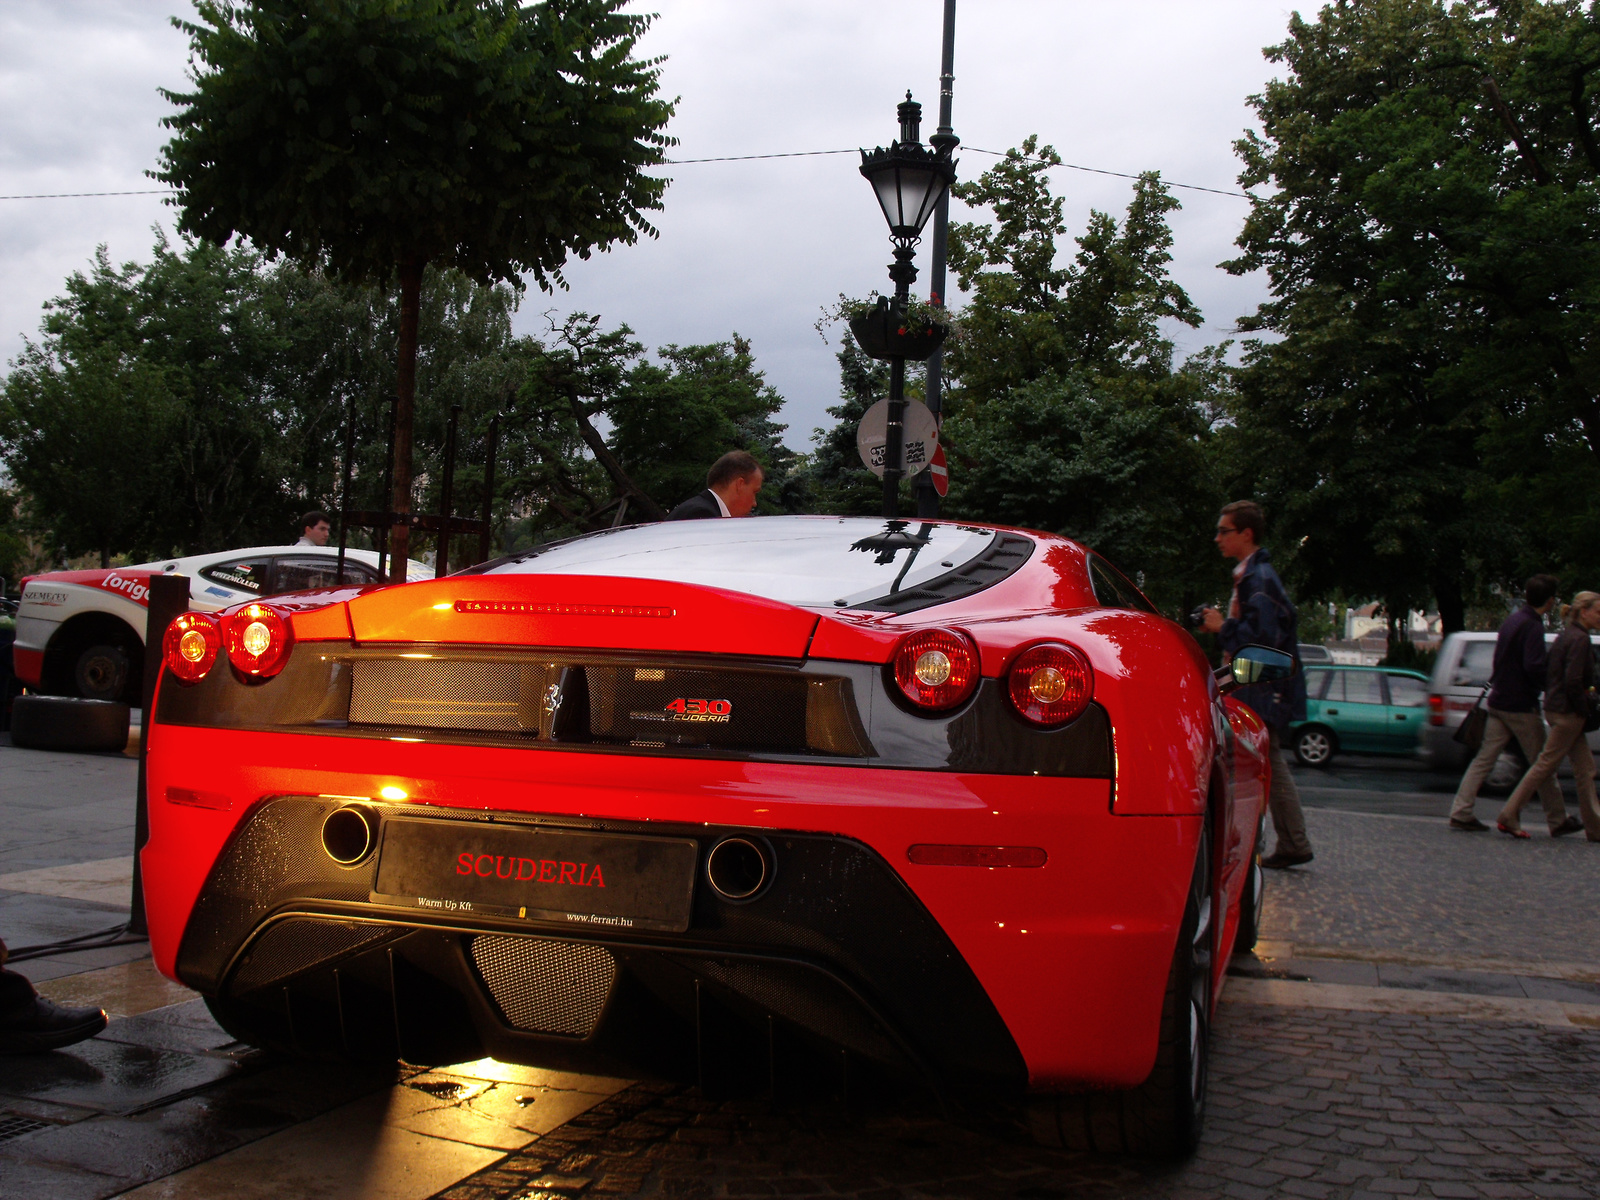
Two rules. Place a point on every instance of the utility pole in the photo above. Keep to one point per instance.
(945, 141)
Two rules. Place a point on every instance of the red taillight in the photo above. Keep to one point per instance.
(257, 638)
(1435, 710)
(1050, 684)
(190, 646)
(936, 668)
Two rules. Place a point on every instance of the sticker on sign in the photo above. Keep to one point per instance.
(919, 437)
(939, 472)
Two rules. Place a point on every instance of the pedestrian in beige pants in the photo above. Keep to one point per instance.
(1569, 687)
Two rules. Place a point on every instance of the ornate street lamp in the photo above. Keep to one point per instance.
(908, 179)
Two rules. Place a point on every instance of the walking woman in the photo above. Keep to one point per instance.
(1568, 694)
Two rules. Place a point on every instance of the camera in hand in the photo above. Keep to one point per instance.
(1197, 617)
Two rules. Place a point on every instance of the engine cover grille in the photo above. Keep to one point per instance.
(546, 986)
(447, 694)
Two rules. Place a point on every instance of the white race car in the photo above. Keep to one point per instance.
(81, 633)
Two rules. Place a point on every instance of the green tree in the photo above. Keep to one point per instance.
(1430, 246)
(840, 483)
(1066, 412)
(378, 137)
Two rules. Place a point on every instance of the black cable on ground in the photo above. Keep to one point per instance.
(116, 935)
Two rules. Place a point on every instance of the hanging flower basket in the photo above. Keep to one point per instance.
(879, 333)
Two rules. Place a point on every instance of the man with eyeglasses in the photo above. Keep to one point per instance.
(1261, 614)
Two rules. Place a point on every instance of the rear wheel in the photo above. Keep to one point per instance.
(1161, 1117)
(101, 672)
(1313, 746)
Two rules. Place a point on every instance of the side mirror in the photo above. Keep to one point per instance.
(1257, 664)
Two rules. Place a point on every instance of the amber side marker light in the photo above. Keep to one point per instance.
(258, 640)
(191, 645)
(936, 669)
(927, 855)
(1050, 684)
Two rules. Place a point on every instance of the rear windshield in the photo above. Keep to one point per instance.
(814, 562)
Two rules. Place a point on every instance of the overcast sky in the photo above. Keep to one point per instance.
(754, 247)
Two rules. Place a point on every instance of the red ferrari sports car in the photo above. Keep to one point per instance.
(694, 799)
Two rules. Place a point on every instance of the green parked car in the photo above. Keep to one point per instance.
(1366, 710)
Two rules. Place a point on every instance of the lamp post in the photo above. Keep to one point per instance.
(909, 179)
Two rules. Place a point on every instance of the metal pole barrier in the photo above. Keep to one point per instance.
(488, 487)
(382, 535)
(169, 596)
(441, 563)
(344, 486)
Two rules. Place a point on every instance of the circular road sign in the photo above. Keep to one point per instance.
(939, 472)
(919, 437)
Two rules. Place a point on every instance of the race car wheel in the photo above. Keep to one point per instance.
(1161, 1117)
(101, 672)
(1314, 746)
(1252, 900)
(65, 723)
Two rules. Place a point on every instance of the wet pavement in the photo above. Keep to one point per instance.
(1423, 1019)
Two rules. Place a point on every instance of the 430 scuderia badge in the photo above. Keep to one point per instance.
(690, 710)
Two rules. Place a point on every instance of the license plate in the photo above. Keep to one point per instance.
(593, 880)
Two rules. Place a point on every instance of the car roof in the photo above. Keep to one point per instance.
(1355, 667)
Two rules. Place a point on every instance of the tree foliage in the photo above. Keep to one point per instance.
(377, 137)
(1430, 246)
(1066, 413)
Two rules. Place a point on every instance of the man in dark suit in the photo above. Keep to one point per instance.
(732, 485)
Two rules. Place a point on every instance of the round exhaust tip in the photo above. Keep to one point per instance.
(348, 835)
(737, 869)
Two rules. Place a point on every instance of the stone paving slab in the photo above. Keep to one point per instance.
(60, 808)
(1418, 889)
(1320, 1104)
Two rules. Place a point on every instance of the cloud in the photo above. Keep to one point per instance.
(754, 247)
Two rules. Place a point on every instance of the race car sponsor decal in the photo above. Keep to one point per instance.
(691, 711)
(44, 598)
(134, 587)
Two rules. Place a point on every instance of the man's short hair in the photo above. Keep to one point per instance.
(735, 464)
(1539, 589)
(1247, 514)
(314, 518)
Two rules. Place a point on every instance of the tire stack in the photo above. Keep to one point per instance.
(67, 723)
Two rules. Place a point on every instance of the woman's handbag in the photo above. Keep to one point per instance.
(1470, 732)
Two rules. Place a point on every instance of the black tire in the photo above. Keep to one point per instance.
(1160, 1118)
(1315, 746)
(1252, 900)
(67, 723)
(101, 672)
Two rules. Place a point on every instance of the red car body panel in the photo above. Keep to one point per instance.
(1074, 955)
(27, 665)
(1032, 936)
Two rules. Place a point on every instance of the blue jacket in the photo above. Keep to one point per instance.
(1267, 618)
(1519, 663)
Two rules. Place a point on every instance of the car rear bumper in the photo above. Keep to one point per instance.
(997, 977)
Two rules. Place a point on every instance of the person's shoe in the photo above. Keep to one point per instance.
(1510, 832)
(1468, 825)
(41, 1025)
(1570, 825)
(1279, 859)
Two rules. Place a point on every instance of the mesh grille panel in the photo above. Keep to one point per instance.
(675, 707)
(298, 944)
(546, 986)
(447, 694)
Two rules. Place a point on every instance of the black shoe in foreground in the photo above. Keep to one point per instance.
(1570, 825)
(1279, 859)
(1472, 825)
(42, 1025)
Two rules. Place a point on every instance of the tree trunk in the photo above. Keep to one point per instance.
(1452, 605)
(405, 388)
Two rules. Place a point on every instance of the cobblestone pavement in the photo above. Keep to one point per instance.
(1411, 887)
(1312, 1105)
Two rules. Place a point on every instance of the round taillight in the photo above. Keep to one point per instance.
(1050, 684)
(257, 638)
(936, 668)
(191, 645)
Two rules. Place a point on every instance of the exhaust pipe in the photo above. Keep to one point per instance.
(738, 869)
(349, 835)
